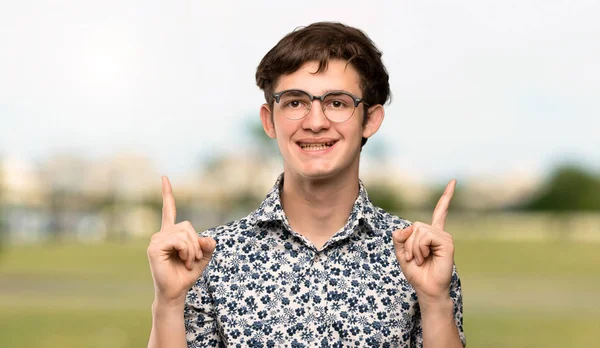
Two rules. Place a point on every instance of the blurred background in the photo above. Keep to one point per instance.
(98, 100)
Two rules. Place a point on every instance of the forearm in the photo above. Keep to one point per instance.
(168, 328)
(439, 326)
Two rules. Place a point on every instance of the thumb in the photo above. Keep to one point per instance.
(208, 246)
(400, 236)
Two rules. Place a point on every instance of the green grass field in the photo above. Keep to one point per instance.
(517, 294)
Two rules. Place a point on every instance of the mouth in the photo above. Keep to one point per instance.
(316, 146)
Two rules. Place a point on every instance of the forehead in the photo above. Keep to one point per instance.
(339, 75)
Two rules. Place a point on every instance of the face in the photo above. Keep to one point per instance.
(314, 147)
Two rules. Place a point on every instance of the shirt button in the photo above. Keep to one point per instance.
(316, 258)
(317, 314)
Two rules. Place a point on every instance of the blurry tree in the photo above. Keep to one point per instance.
(245, 200)
(458, 202)
(376, 149)
(63, 175)
(375, 155)
(3, 230)
(256, 151)
(384, 196)
(570, 188)
(259, 140)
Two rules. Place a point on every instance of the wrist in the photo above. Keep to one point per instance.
(436, 305)
(168, 306)
(440, 328)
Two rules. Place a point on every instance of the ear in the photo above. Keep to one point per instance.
(374, 119)
(266, 117)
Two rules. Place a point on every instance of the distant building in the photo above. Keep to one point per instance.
(22, 201)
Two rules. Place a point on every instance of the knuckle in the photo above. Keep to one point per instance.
(186, 224)
(419, 230)
(421, 225)
(153, 249)
(180, 234)
(156, 238)
(168, 230)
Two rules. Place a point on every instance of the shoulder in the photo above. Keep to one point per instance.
(231, 229)
(383, 222)
(378, 219)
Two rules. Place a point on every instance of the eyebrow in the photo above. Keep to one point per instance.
(325, 91)
(295, 92)
(298, 91)
(336, 91)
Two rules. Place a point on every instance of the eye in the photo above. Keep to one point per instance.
(338, 101)
(294, 103)
(336, 104)
(294, 100)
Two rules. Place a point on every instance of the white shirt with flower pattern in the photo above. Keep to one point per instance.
(268, 286)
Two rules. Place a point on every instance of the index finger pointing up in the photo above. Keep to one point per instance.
(441, 209)
(168, 210)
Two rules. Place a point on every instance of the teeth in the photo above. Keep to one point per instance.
(315, 147)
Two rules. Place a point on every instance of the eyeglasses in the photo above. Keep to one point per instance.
(338, 106)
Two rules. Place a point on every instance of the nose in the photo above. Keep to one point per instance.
(316, 120)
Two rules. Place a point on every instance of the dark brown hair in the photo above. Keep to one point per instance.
(322, 42)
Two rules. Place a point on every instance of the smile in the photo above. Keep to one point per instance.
(316, 146)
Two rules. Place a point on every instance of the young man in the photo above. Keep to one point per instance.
(316, 264)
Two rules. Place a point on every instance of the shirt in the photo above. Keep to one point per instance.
(268, 286)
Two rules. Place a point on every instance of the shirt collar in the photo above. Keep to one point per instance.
(270, 209)
(363, 210)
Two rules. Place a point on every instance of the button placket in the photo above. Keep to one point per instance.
(320, 286)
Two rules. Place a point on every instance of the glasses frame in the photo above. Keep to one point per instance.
(321, 98)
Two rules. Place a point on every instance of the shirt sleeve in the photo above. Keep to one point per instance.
(201, 328)
(457, 299)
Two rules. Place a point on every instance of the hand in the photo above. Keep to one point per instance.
(176, 253)
(426, 252)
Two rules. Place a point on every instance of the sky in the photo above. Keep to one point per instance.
(480, 88)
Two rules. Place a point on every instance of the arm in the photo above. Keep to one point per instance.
(440, 321)
(186, 323)
(178, 257)
(426, 256)
(167, 326)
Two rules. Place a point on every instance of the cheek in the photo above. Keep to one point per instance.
(283, 131)
(352, 131)
(285, 128)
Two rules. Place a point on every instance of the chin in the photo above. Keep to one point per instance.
(318, 169)
(319, 173)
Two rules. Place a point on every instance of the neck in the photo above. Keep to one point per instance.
(317, 209)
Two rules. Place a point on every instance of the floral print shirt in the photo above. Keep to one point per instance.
(268, 286)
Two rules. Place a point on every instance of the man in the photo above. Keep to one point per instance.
(316, 264)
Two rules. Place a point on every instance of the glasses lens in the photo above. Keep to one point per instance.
(294, 104)
(338, 107)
